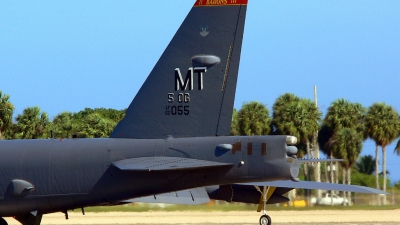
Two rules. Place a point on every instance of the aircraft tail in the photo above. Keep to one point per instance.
(190, 91)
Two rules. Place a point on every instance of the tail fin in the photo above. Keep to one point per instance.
(190, 92)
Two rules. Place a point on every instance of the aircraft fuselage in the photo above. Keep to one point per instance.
(74, 173)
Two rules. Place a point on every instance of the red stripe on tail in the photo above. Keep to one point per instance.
(220, 2)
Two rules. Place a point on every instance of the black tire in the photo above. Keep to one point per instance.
(3, 221)
(265, 220)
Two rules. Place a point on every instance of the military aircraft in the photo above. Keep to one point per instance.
(173, 139)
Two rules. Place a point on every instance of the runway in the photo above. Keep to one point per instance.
(346, 217)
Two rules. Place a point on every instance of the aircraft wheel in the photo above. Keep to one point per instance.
(265, 220)
(3, 221)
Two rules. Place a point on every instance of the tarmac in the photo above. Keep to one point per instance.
(345, 217)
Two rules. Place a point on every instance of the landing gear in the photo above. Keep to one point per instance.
(3, 221)
(265, 220)
(266, 193)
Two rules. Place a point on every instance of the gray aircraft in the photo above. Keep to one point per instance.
(174, 138)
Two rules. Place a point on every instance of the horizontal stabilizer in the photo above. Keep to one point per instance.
(319, 160)
(193, 196)
(166, 164)
(319, 185)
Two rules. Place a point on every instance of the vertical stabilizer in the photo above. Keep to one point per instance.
(190, 91)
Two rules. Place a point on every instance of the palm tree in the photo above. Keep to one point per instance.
(64, 125)
(297, 117)
(347, 142)
(311, 116)
(32, 123)
(341, 114)
(95, 125)
(285, 110)
(324, 136)
(234, 124)
(253, 119)
(110, 114)
(6, 112)
(366, 164)
(383, 125)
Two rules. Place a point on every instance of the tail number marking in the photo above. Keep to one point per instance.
(177, 110)
(184, 84)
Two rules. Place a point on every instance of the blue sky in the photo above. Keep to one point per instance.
(68, 55)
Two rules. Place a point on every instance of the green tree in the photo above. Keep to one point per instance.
(366, 164)
(96, 126)
(365, 179)
(234, 124)
(64, 126)
(341, 114)
(347, 142)
(324, 138)
(111, 114)
(6, 112)
(296, 117)
(253, 119)
(96, 123)
(383, 125)
(310, 121)
(286, 108)
(31, 124)
(10, 132)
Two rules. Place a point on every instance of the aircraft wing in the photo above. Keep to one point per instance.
(193, 196)
(318, 185)
(166, 164)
